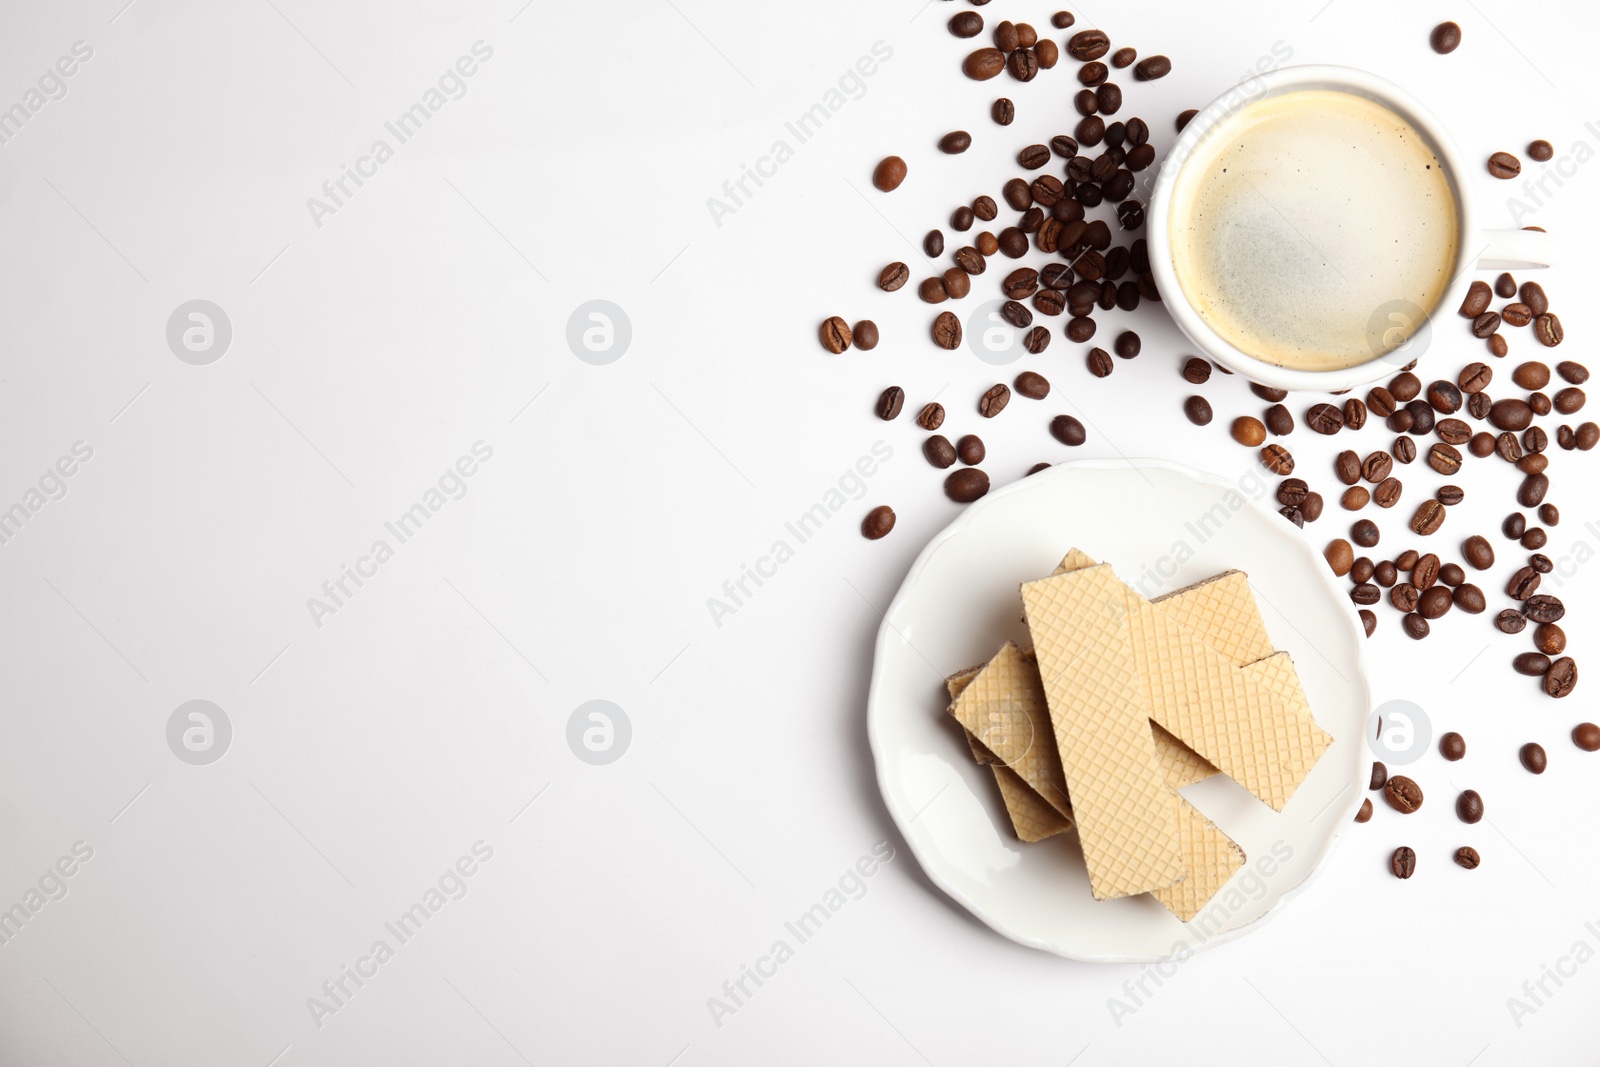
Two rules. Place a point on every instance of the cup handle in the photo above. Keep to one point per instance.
(1516, 250)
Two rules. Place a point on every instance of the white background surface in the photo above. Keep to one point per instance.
(368, 354)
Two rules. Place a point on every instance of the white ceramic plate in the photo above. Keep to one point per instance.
(1162, 527)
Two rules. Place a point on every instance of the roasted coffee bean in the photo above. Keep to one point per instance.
(1403, 794)
(1340, 556)
(1197, 408)
(1481, 445)
(1533, 758)
(961, 220)
(1068, 430)
(1365, 593)
(1550, 639)
(939, 451)
(1087, 102)
(1080, 329)
(1479, 404)
(1478, 552)
(1467, 857)
(1033, 157)
(1381, 402)
(1445, 397)
(1497, 348)
(835, 335)
(1277, 459)
(1547, 328)
(966, 485)
(1544, 608)
(1452, 746)
(1123, 57)
(1549, 514)
(1379, 776)
(889, 173)
(955, 142)
(1451, 574)
(1385, 573)
(1508, 447)
(1186, 117)
(1324, 419)
(947, 331)
(1576, 373)
(1534, 296)
(1093, 73)
(1505, 287)
(1016, 314)
(1100, 365)
(1355, 498)
(1249, 431)
(1386, 494)
(1088, 44)
(1534, 539)
(1404, 862)
(1453, 431)
(1365, 533)
(1152, 68)
(865, 335)
(966, 24)
(1369, 623)
(1407, 560)
(1535, 441)
(1531, 493)
(1425, 572)
(1428, 518)
(1027, 36)
(1036, 340)
(1444, 458)
(1562, 678)
(1292, 492)
(933, 244)
(1348, 466)
(1355, 414)
(1196, 371)
(1363, 569)
(1062, 19)
(1006, 38)
(1541, 151)
(1516, 315)
(1523, 584)
(1510, 621)
(1511, 414)
(1539, 403)
(1047, 53)
(1049, 302)
(1127, 344)
(1541, 563)
(1486, 325)
(1586, 436)
(1294, 515)
(890, 402)
(1469, 598)
(1267, 392)
(1586, 735)
(1569, 400)
(957, 283)
(1479, 297)
(1422, 417)
(932, 291)
(1404, 450)
(1033, 385)
(1279, 421)
(1475, 377)
(985, 208)
(1405, 386)
(1505, 166)
(982, 65)
(970, 450)
(1469, 806)
(994, 401)
(1446, 38)
(1003, 111)
(931, 417)
(878, 523)
(1021, 283)
(893, 277)
(1056, 276)
(1435, 602)
(1531, 375)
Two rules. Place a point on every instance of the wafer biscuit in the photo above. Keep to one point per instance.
(1003, 706)
(1127, 824)
(1031, 818)
(1211, 856)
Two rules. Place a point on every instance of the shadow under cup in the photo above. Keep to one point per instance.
(1309, 224)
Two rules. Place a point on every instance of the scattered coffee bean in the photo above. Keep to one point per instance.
(984, 64)
(835, 335)
(1516, 315)
(1365, 813)
(1505, 287)
(1444, 458)
(1362, 569)
(1379, 776)
(1435, 603)
(1569, 401)
(1541, 151)
(1355, 498)
(1544, 608)
(1479, 297)
(1279, 420)
(1550, 639)
(966, 485)
(947, 331)
(1404, 450)
(1068, 430)
(1486, 325)
(1386, 494)
(1547, 328)
(1407, 560)
(1003, 111)
(1369, 623)
(1531, 493)
(1152, 68)
(1355, 414)
(1541, 563)
(1533, 664)
(1348, 467)
(1381, 402)
(1469, 806)
(1402, 794)
(1534, 441)
(1365, 593)
(1249, 431)
(939, 451)
(1481, 445)
(865, 334)
(1533, 757)
(1446, 38)
(1277, 459)
(1467, 857)
(1450, 495)
(1088, 44)
(1365, 533)
(994, 401)
(1475, 377)
(1534, 539)
(1100, 365)
(931, 417)
(893, 277)
(1428, 518)
(955, 142)
(1562, 678)
(1586, 735)
(1549, 514)
(1523, 584)
(1340, 556)
(1036, 468)
(890, 401)
(1586, 436)
(970, 450)
(1062, 19)
(1445, 397)
(1510, 621)
(1575, 373)
(1033, 385)
(1324, 419)
(1505, 166)
(1198, 410)
(1540, 403)
(1511, 414)
(1531, 375)
(1196, 371)
(1425, 571)
(878, 523)
(966, 24)
(1186, 117)
(1452, 746)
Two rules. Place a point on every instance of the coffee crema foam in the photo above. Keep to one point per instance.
(1315, 229)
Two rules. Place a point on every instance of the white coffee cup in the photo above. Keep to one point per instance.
(1477, 250)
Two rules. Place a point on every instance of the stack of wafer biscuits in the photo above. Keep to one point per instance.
(1121, 702)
